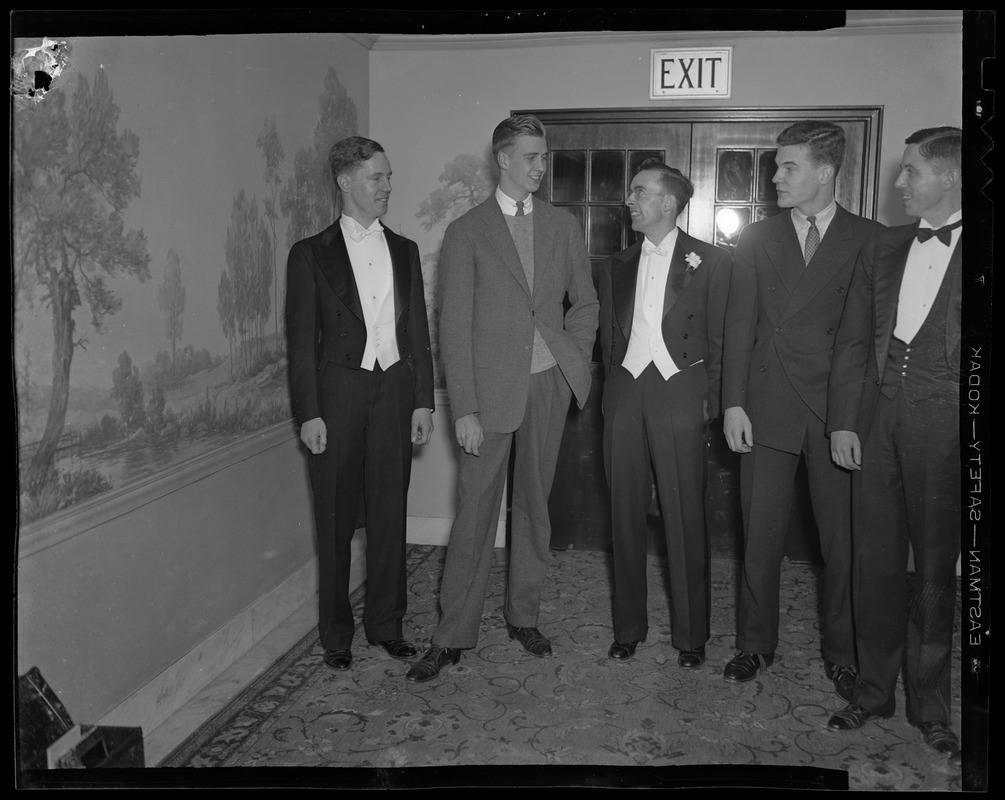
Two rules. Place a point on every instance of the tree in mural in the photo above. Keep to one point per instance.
(74, 174)
(306, 199)
(464, 183)
(228, 316)
(127, 389)
(243, 299)
(272, 151)
(171, 299)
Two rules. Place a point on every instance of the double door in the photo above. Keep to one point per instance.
(729, 156)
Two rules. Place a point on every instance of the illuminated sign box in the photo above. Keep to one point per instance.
(691, 73)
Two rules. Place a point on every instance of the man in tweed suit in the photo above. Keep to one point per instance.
(513, 358)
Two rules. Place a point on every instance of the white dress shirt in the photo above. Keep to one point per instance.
(802, 224)
(646, 345)
(508, 204)
(926, 267)
(371, 267)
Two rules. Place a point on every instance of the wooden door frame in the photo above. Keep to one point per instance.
(871, 116)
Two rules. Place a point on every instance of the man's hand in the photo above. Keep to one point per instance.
(846, 449)
(422, 425)
(314, 434)
(736, 426)
(469, 433)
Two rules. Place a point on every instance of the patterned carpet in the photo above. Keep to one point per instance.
(577, 712)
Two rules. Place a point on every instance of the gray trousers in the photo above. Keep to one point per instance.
(481, 480)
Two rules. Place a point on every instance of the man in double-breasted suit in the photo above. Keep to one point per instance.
(790, 281)
(893, 417)
(662, 302)
(361, 383)
(513, 357)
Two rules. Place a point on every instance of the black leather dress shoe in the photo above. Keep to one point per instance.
(429, 666)
(851, 718)
(844, 678)
(744, 666)
(532, 639)
(691, 659)
(939, 737)
(622, 651)
(338, 659)
(397, 648)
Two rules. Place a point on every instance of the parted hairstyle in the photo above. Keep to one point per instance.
(513, 127)
(824, 140)
(674, 182)
(943, 146)
(347, 154)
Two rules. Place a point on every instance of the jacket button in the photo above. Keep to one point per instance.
(830, 330)
(771, 288)
(685, 335)
(690, 316)
(685, 355)
(840, 290)
(764, 368)
(778, 330)
(343, 335)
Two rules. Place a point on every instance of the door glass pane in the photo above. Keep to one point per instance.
(734, 176)
(580, 214)
(605, 230)
(607, 176)
(729, 221)
(568, 168)
(765, 171)
(636, 157)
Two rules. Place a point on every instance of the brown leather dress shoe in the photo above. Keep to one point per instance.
(397, 648)
(533, 641)
(429, 666)
(691, 659)
(744, 666)
(338, 659)
(622, 651)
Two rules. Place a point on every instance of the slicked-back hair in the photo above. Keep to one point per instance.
(943, 145)
(674, 182)
(824, 140)
(513, 127)
(349, 153)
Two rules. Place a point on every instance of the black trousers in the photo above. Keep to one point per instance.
(910, 494)
(767, 490)
(367, 460)
(656, 427)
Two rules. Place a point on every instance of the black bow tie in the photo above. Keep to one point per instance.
(943, 234)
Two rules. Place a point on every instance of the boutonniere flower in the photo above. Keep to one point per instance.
(693, 260)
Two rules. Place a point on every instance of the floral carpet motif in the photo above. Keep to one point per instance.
(501, 706)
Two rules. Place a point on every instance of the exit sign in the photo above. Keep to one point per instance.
(691, 73)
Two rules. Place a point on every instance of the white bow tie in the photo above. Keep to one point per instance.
(358, 235)
(650, 249)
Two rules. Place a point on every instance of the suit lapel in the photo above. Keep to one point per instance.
(954, 312)
(623, 279)
(401, 274)
(834, 251)
(887, 292)
(782, 249)
(680, 276)
(333, 260)
(497, 232)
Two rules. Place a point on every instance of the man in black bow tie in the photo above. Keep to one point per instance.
(893, 419)
(361, 385)
(662, 304)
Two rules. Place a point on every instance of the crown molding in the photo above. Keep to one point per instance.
(859, 23)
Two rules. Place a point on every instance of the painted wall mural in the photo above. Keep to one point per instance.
(158, 184)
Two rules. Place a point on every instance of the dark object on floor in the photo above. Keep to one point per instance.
(622, 651)
(429, 666)
(691, 659)
(533, 641)
(42, 719)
